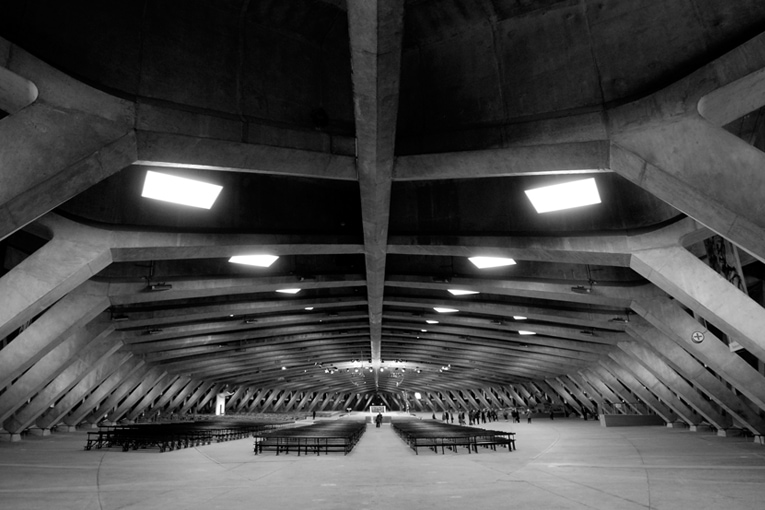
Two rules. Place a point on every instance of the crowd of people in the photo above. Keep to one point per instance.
(481, 416)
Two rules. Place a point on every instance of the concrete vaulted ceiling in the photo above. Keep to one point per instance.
(375, 146)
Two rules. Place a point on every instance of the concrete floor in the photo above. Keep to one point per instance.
(561, 464)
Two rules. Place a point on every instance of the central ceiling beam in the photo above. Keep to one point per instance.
(376, 29)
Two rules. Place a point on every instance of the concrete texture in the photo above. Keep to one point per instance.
(562, 464)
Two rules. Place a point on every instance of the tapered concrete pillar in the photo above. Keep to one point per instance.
(73, 349)
(700, 288)
(177, 400)
(548, 391)
(51, 329)
(153, 378)
(650, 381)
(691, 369)
(200, 392)
(119, 392)
(514, 394)
(86, 384)
(579, 394)
(659, 368)
(170, 393)
(153, 394)
(668, 317)
(617, 377)
(232, 402)
(565, 395)
(594, 381)
(125, 372)
(591, 392)
(84, 363)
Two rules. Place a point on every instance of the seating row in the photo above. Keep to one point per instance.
(325, 436)
(434, 435)
(173, 436)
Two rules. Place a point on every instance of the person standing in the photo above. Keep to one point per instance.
(378, 420)
(528, 415)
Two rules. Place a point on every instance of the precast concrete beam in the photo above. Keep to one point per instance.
(617, 377)
(656, 386)
(99, 393)
(572, 388)
(669, 317)
(593, 380)
(685, 364)
(375, 28)
(79, 391)
(150, 396)
(67, 138)
(177, 400)
(121, 389)
(55, 362)
(154, 378)
(565, 395)
(703, 290)
(50, 330)
(198, 394)
(665, 373)
(84, 361)
(590, 391)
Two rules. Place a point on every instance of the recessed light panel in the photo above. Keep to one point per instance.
(254, 260)
(519, 317)
(180, 190)
(445, 310)
(522, 332)
(567, 195)
(487, 262)
(458, 292)
(431, 321)
(288, 291)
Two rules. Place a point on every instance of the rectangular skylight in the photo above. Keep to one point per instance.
(486, 262)
(445, 310)
(288, 291)
(254, 260)
(458, 292)
(566, 195)
(180, 190)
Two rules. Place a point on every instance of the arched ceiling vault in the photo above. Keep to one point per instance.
(374, 147)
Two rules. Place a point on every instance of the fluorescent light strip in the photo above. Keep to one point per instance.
(457, 292)
(180, 190)
(522, 332)
(519, 317)
(567, 195)
(445, 310)
(288, 291)
(487, 262)
(254, 260)
(431, 321)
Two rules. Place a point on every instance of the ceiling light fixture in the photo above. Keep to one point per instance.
(288, 291)
(458, 292)
(523, 332)
(179, 190)
(488, 262)
(567, 195)
(309, 308)
(254, 260)
(445, 310)
(431, 321)
(519, 317)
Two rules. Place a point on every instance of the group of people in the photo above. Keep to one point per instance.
(477, 417)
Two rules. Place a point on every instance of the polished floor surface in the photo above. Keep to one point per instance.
(561, 464)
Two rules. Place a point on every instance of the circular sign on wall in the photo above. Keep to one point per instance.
(697, 337)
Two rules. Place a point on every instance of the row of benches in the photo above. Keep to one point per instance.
(324, 436)
(173, 436)
(434, 435)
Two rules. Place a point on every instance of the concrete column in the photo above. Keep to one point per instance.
(85, 385)
(617, 377)
(700, 288)
(284, 396)
(675, 381)
(176, 402)
(55, 362)
(264, 392)
(132, 368)
(514, 394)
(84, 363)
(211, 394)
(149, 397)
(530, 400)
(231, 402)
(565, 395)
(154, 377)
(694, 371)
(119, 392)
(596, 383)
(548, 390)
(51, 329)
(195, 397)
(668, 317)
(646, 378)
(592, 392)
(576, 392)
(170, 393)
